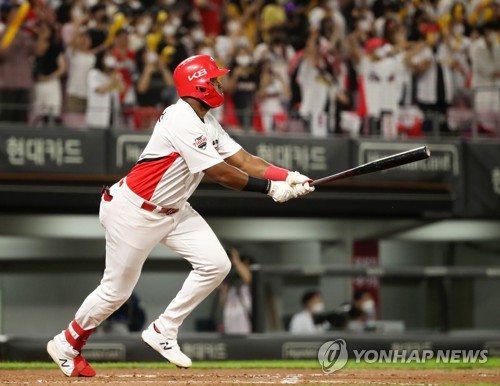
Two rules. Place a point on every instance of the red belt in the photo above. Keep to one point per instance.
(145, 205)
(153, 208)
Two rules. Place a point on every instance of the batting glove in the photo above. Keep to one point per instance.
(281, 191)
(300, 183)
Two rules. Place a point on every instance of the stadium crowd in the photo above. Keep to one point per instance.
(385, 67)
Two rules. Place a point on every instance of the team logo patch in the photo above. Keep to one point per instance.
(197, 74)
(201, 142)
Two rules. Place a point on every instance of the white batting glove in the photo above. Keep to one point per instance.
(300, 183)
(281, 191)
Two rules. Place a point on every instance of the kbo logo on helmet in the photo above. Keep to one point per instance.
(197, 74)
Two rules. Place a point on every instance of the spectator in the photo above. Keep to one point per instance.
(125, 64)
(272, 15)
(277, 50)
(247, 13)
(456, 49)
(225, 45)
(318, 78)
(361, 312)
(16, 72)
(171, 48)
(104, 84)
(241, 84)
(154, 84)
(485, 56)
(434, 87)
(49, 67)
(327, 9)
(382, 75)
(235, 296)
(297, 26)
(141, 27)
(272, 93)
(98, 24)
(303, 321)
(81, 59)
(211, 15)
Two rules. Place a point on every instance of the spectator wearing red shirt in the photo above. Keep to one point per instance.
(125, 64)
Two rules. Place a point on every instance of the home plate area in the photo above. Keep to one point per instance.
(254, 377)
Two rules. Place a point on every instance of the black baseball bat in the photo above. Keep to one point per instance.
(391, 161)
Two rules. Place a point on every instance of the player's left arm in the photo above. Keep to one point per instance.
(258, 167)
(250, 164)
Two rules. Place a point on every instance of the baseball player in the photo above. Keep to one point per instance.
(149, 206)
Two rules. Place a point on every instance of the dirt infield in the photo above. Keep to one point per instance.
(254, 377)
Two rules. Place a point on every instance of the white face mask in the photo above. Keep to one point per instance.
(169, 30)
(233, 27)
(369, 307)
(198, 35)
(176, 22)
(243, 60)
(77, 12)
(318, 308)
(142, 29)
(379, 52)
(364, 25)
(458, 29)
(110, 61)
(207, 51)
(151, 57)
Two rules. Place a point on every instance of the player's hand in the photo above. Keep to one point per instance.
(300, 183)
(281, 191)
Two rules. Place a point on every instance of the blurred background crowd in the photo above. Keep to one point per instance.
(388, 67)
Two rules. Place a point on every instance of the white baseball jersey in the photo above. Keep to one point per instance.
(383, 81)
(180, 148)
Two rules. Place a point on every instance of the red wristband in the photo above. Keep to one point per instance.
(276, 173)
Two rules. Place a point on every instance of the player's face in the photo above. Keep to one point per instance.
(218, 85)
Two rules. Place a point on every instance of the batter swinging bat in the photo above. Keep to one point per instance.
(391, 161)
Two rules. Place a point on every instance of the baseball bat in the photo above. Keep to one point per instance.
(391, 161)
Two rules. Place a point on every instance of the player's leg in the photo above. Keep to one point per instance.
(130, 237)
(193, 239)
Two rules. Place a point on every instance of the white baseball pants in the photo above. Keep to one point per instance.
(131, 234)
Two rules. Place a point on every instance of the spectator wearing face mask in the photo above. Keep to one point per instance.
(154, 83)
(277, 50)
(318, 77)
(361, 312)
(272, 95)
(434, 85)
(81, 59)
(247, 13)
(142, 26)
(125, 64)
(381, 72)
(227, 43)
(171, 48)
(456, 48)
(241, 84)
(303, 322)
(104, 84)
(485, 56)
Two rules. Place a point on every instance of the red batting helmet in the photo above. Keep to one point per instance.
(192, 78)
